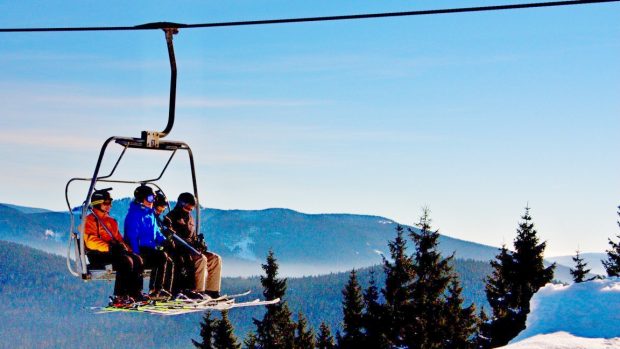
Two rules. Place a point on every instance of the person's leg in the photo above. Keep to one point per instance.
(157, 261)
(200, 273)
(135, 276)
(214, 272)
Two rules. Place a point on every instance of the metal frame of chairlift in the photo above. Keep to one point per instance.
(149, 140)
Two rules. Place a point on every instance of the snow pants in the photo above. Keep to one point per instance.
(128, 266)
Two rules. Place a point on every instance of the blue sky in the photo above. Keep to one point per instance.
(473, 115)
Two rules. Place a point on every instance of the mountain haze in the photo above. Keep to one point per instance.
(306, 244)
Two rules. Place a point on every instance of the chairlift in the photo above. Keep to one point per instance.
(149, 140)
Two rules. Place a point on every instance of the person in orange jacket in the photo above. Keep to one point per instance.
(105, 245)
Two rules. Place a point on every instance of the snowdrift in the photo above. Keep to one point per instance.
(584, 315)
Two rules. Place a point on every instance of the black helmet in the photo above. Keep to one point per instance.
(186, 199)
(143, 192)
(100, 196)
(160, 199)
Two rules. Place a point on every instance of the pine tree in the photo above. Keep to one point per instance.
(424, 326)
(304, 338)
(612, 264)
(398, 278)
(460, 323)
(223, 337)
(276, 330)
(207, 327)
(482, 338)
(324, 339)
(374, 319)
(251, 341)
(580, 271)
(497, 290)
(352, 307)
(523, 273)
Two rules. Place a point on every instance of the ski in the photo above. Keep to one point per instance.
(184, 306)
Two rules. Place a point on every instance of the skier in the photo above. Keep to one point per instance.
(105, 245)
(145, 238)
(206, 266)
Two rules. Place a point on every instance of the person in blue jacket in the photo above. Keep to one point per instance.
(143, 234)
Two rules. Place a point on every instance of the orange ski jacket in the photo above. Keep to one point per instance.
(96, 238)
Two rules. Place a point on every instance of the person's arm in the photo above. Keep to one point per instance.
(131, 233)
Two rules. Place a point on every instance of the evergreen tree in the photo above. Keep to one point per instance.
(424, 326)
(460, 323)
(374, 319)
(398, 278)
(324, 339)
(612, 264)
(207, 327)
(580, 271)
(305, 336)
(352, 307)
(497, 290)
(523, 273)
(276, 330)
(482, 338)
(251, 341)
(223, 337)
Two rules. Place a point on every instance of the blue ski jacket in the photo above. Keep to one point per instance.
(141, 229)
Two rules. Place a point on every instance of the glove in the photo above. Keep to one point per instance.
(159, 248)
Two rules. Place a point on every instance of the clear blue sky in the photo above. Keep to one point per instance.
(474, 115)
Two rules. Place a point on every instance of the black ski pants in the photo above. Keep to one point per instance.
(162, 269)
(128, 266)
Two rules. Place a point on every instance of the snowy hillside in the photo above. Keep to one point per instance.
(585, 315)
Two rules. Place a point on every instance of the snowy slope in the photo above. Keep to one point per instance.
(585, 315)
(563, 340)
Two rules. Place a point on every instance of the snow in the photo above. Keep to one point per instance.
(564, 340)
(584, 315)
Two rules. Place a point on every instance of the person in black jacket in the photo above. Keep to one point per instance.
(206, 266)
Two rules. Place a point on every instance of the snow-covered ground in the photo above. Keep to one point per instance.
(585, 315)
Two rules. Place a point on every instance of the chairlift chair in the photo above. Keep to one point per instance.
(149, 140)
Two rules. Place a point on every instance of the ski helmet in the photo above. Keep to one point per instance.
(160, 199)
(144, 192)
(100, 196)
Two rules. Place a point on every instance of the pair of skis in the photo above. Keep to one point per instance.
(180, 306)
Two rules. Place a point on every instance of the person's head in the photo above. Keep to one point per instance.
(101, 200)
(144, 195)
(187, 202)
(161, 202)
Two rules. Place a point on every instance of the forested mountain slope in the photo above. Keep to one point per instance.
(46, 307)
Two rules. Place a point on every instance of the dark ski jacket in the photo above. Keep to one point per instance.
(141, 229)
(183, 225)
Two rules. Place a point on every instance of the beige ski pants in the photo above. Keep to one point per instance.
(208, 271)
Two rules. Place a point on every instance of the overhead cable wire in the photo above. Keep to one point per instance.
(162, 25)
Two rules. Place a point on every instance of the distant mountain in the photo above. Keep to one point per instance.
(311, 243)
(43, 306)
(593, 260)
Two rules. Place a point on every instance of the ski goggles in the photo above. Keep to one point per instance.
(150, 198)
